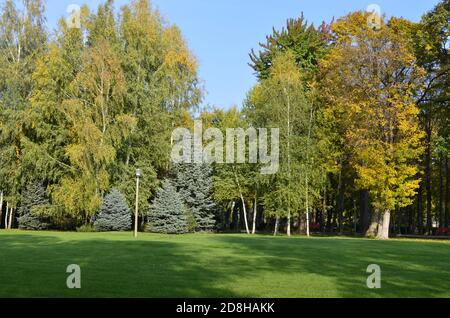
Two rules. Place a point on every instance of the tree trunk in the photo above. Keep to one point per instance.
(340, 201)
(410, 219)
(447, 193)
(364, 211)
(375, 221)
(243, 203)
(307, 206)
(441, 192)
(428, 178)
(393, 221)
(301, 224)
(255, 210)
(383, 227)
(307, 222)
(6, 215)
(238, 220)
(277, 224)
(1, 206)
(10, 218)
(288, 228)
(324, 210)
(334, 223)
(329, 219)
(244, 210)
(229, 217)
(306, 171)
(420, 210)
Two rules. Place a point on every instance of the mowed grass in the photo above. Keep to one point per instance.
(33, 264)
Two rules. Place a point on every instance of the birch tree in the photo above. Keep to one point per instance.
(280, 102)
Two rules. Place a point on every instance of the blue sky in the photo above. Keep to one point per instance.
(222, 33)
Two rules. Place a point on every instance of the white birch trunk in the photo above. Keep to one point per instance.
(288, 229)
(243, 202)
(11, 212)
(245, 214)
(277, 223)
(6, 216)
(307, 221)
(307, 207)
(306, 172)
(255, 210)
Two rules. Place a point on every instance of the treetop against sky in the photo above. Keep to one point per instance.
(222, 33)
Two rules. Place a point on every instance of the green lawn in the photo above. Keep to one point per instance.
(33, 264)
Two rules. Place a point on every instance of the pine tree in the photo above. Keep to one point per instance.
(168, 213)
(33, 198)
(114, 214)
(194, 183)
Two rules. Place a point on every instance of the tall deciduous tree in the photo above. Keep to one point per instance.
(98, 125)
(161, 87)
(23, 40)
(234, 182)
(281, 101)
(431, 42)
(370, 77)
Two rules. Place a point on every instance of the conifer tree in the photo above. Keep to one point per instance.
(194, 183)
(307, 43)
(168, 213)
(33, 198)
(114, 214)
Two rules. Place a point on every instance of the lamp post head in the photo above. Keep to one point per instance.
(138, 173)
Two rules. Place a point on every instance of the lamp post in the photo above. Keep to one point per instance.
(138, 175)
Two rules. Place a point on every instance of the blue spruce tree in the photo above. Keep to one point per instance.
(168, 213)
(195, 184)
(114, 213)
(32, 199)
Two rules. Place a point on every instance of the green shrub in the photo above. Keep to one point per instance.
(86, 228)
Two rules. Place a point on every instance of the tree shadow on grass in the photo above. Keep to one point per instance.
(35, 266)
(331, 267)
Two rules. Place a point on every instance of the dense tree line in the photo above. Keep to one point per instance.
(85, 107)
(363, 116)
(364, 120)
(377, 146)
